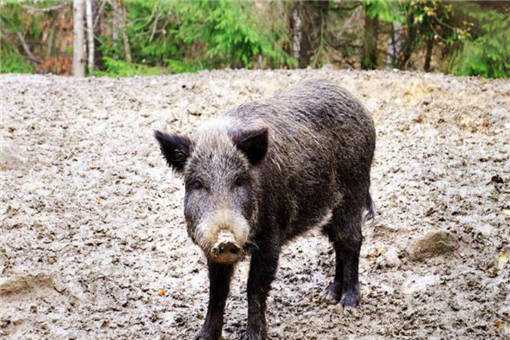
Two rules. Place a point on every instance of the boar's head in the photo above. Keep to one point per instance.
(219, 167)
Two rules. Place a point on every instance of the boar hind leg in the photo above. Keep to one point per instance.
(219, 286)
(344, 232)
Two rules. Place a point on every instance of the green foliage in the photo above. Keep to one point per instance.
(151, 33)
(13, 18)
(14, 21)
(12, 62)
(121, 68)
(178, 66)
(487, 54)
(385, 10)
(10, 17)
(228, 33)
(152, 28)
(187, 36)
(175, 36)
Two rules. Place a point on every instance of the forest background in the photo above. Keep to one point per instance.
(136, 37)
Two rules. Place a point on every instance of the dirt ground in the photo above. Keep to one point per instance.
(93, 242)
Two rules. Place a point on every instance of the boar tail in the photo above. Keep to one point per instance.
(370, 213)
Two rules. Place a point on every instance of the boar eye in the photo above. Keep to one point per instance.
(240, 181)
(196, 185)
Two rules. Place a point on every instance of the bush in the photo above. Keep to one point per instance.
(12, 62)
(229, 35)
(187, 36)
(178, 66)
(124, 69)
(487, 54)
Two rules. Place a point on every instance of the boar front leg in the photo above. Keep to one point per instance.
(219, 286)
(264, 262)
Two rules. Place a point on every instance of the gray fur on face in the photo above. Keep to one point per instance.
(221, 205)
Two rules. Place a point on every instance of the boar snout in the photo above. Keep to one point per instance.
(223, 235)
(226, 249)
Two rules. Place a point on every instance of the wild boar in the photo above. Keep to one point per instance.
(266, 172)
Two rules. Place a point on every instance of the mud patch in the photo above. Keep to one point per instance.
(24, 284)
(87, 201)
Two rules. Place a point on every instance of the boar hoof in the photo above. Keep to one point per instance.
(250, 335)
(350, 299)
(207, 336)
(334, 291)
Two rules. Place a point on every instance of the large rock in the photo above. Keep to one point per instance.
(434, 243)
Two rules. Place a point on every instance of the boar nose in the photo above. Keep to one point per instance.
(226, 248)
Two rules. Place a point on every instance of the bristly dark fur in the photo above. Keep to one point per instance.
(312, 171)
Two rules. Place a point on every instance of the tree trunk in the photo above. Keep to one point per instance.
(306, 21)
(26, 48)
(393, 45)
(295, 26)
(116, 20)
(51, 36)
(97, 14)
(90, 35)
(119, 27)
(78, 39)
(428, 54)
(125, 40)
(409, 43)
(127, 49)
(369, 50)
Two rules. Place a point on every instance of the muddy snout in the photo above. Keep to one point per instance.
(226, 249)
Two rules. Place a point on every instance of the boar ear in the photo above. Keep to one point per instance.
(253, 143)
(175, 149)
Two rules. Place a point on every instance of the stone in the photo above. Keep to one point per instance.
(434, 243)
(390, 258)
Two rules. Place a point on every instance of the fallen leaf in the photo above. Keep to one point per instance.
(503, 327)
(502, 258)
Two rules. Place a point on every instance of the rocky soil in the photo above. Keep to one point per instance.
(93, 243)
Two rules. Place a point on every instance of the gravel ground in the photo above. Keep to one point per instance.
(93, 242)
